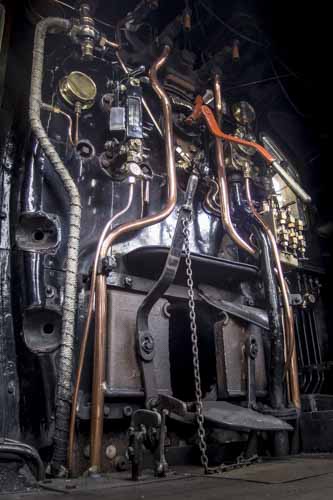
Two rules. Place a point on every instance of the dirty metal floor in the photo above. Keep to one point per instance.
(308, 477)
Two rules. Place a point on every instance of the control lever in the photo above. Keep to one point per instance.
(139, 439)
(161, 465)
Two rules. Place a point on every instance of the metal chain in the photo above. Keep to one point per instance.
(195, 351)
(241, 462)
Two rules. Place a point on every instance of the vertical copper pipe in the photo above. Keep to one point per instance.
(77, 121)
(289, 319)
(98, 389)
(97, 407)
(87, 325)
(222, 176)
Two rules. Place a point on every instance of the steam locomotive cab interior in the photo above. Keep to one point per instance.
(165, 241)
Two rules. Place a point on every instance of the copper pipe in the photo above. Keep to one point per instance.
(121, 62)
(98, 389)
(210, 199)
(293, 359)
(56, 110)
(114, 45)
(210, 207)
(289, 320)
(170, 162)
(151, 116)
(70, 124)
(85, 336)
(77, 121)
(222, 177)
(97, 406)
(214, 196)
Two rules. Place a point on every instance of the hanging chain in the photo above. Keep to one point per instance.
(241, 461)
(195, 351)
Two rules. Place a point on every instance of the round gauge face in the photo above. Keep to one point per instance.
(243, 113)
(78, 87)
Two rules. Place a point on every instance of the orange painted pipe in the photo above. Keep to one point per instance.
(201, 109)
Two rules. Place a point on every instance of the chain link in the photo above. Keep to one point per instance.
(195, 351)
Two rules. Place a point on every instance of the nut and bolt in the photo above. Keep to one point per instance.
(147, 344)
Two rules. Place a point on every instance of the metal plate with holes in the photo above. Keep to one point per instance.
(123, 372)
(223, 414)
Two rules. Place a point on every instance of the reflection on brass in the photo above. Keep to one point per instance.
(243, 113)
(78, 87)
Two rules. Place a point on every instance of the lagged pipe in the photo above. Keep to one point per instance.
(64, 389)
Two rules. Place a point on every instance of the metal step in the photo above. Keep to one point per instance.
(227, 415)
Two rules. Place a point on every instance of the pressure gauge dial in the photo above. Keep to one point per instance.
(76, 88)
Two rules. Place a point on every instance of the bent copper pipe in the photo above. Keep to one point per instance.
(56, 110)
(98, 378)
(85, 336)
(210, 200)
(222, 176)
(289, 320)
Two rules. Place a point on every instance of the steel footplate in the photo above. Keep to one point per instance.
(227, 415)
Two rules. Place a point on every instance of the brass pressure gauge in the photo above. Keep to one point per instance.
(78, 87)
